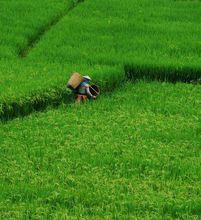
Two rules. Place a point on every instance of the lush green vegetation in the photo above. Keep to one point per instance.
(135, 153)
(22, 20)
(156, 39)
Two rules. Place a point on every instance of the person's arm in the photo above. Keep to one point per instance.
(89, 93)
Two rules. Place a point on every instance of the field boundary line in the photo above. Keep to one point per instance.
(55, 96)
(36, 37)
(52, 98)
(163, 74)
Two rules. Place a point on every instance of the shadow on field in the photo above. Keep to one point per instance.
(56, 96)
(35, 38)
(51, 98)
(35, 103)
(161, 74)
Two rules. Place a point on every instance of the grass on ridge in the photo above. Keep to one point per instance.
(101, 38)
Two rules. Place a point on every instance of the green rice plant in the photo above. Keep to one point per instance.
(19, 103)
(134, 153)
(22, 20)
(163, 73)
(136, 39)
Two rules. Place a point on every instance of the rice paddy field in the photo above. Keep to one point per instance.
(135, 152)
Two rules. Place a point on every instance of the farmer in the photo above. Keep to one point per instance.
(83, 92)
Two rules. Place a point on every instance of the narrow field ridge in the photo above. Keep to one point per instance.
(53, 97)
(34, 39)
(161, 74)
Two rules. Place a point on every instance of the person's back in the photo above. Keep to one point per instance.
(83, 90)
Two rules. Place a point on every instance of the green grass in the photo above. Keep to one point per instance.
(134, 153)
(142, 39)
(22, 20)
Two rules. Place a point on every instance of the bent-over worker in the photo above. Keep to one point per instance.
(83, 92)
